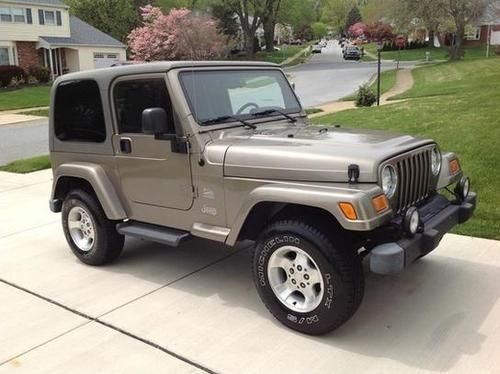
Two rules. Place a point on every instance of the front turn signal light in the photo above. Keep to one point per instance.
(454, 166)
(380, 203)
(348, 211)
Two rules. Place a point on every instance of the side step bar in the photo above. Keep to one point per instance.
(160, 234)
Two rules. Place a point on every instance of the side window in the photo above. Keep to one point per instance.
(78, 112)
(133, 96)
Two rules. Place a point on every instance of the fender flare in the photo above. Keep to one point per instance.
(323, 197)
(96, 176)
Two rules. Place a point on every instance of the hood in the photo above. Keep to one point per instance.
(310, 153)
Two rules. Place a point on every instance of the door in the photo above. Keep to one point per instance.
(151, 172)
(104, 60)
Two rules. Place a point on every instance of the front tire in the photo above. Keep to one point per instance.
(91, 236)
(306, 281)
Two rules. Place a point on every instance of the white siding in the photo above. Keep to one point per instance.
(72, 62)
(86, 55)
(31, 32)
(495, 37)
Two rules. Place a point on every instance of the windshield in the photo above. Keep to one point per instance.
(237, 93)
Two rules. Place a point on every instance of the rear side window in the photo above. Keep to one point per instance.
(133, 96)
(78, 112)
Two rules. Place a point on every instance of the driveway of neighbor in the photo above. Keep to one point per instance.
(194, 308)
(327, 77)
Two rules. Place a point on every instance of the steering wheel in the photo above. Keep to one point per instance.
(247, 105)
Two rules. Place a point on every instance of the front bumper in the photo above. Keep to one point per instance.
(438, 217)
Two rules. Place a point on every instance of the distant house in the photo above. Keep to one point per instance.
(486, 26)
(42, 32)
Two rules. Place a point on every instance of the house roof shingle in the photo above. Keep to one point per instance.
(83, 34)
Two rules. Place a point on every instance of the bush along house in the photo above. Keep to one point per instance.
(42, 33)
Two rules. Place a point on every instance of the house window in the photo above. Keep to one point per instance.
(13, 15)
(473, 34)
(4, 56)
(19, 15)
(98, 55)
(78, 114)
(5, 15)
(50, 17)
(112, 56)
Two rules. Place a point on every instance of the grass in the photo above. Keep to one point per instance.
(37, 112)
(278, 57)
(27, 97)
(313, 110)
(457, 105)
(27, 165)
(387, 81)
(420, 54)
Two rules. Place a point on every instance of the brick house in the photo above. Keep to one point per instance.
(42, 32)
(486, 28)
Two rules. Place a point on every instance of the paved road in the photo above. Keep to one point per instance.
(326, 77)
(23, 140)
(194, 308)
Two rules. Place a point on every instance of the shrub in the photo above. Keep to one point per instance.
(16, 82)
(365, 96)
(42, 74)
(9, 72)
(33, 80)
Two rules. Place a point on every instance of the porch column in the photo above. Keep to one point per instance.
(51, 64)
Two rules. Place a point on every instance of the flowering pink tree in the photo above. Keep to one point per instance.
(179, 35)
(357, 30)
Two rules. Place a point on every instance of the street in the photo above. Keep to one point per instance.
(327, 77)
(23, 140)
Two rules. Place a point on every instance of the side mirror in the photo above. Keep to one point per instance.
(154, 121)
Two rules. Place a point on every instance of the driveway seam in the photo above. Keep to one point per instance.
(45, 342)
(111, 326)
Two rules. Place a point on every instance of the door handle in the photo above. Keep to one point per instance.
(126, 145)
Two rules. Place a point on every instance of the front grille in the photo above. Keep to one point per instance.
(414, 178)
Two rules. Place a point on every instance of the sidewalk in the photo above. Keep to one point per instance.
(194, 308)
(10, 117)
(404, 81)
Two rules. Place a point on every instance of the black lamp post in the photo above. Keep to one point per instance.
(380, 45)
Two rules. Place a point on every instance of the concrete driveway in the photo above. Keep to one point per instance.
(327, 77)
(194, 308)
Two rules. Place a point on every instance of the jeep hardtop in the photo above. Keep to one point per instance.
(224, 151)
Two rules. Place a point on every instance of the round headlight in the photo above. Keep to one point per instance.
(435, 161)
(462, 188)
(411, 221)
(389, 180)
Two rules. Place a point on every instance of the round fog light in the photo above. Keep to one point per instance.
(463, 188)
(411, 221)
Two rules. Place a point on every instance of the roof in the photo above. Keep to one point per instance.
(158, 67)
(83, 34)
(42, 2)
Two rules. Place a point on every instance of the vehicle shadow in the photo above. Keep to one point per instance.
(428, 317)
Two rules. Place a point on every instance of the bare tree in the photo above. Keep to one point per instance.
(249, 13)
(269, 17)
(462, 13)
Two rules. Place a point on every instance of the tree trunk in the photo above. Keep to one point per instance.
(269, 34)
(431, 37)
(457, 43)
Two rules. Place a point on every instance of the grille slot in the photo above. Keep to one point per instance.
(414, 179)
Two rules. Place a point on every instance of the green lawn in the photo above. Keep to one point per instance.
(27, 165)
(419, 54)
(278, 57)
(457, 104)
(387, 81)
(27, 97)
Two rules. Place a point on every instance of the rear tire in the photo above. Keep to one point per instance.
(91, 236)
(305, 280)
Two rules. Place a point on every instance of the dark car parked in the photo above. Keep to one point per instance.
(352, 53)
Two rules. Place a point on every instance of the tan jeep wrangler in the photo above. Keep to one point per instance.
(224, 151)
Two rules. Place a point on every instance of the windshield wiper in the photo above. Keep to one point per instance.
(221, 119)
(271, 111)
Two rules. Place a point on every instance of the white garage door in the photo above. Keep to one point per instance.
(104, 60)
(495, 37)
